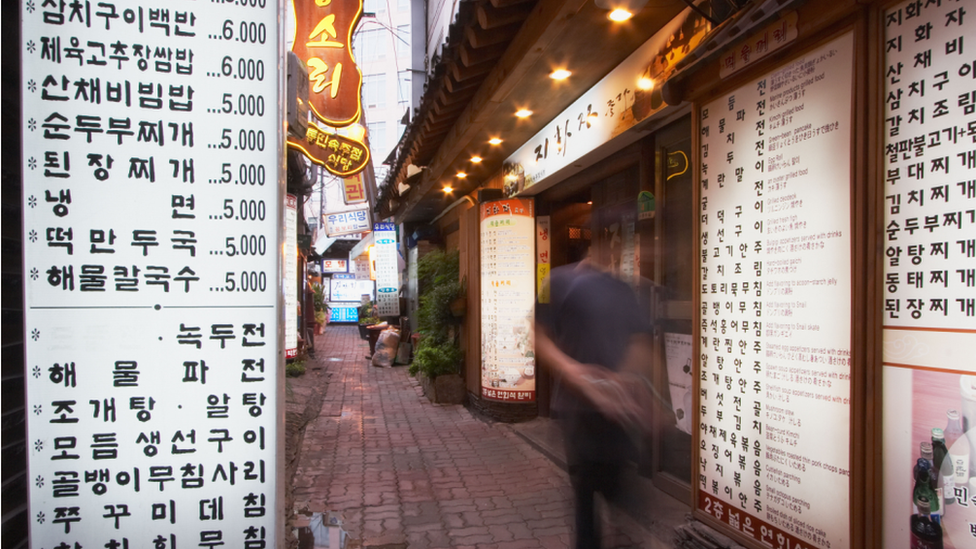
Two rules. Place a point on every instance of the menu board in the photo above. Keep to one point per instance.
(152, 159)
(508, 235)
(929, 317)
(387, 271)
(291, 276)
(775, 304)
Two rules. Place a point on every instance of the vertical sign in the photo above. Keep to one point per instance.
(542, 260)
(153, 146)
(929, 316)
(774, 350)
(387, 272)
(507, 300)
(291, 276)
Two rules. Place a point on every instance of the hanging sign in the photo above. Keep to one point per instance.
(291, 275)
(508, 236)
(152, 151)
(339, 154)
(323, 40)
(353, 189)
(774, 353)
(387, 273)
(335, 265)
(351, 222)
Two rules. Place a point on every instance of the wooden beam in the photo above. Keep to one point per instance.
(480, 38)
(462, 73)
(492, 18)
(474, 56)
(506, 3)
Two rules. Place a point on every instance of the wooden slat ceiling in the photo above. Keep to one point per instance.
(497, 59)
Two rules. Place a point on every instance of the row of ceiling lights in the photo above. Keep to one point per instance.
(617, 15)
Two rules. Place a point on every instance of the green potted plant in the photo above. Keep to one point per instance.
(321, 308)
(367, 317)
(438, 356)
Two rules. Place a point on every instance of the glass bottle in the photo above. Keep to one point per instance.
(943, 466)
(953, 428)
(926, 533)
(923, 489)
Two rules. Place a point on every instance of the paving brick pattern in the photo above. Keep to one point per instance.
(401, 470)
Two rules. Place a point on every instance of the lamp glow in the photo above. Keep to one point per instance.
(645, 83)
(447, 189)
(560, 74)
(461, 175)
(523, 113)
(495, 141)
(476, 159)
(619, 15)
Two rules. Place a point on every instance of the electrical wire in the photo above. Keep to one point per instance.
(702, 12)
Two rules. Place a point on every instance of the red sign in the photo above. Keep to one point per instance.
(353, 190)
(323, 39)
(339, 154)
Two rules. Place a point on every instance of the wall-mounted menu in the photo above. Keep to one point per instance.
(152, 147)
(387, 271)
(929, 316)
(508, 275)
(775, 304)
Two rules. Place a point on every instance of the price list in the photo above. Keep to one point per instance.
(508, 275)
(151, 208)
(774, 376)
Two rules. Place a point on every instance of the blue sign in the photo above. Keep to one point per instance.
(343, 314)
(384, 227)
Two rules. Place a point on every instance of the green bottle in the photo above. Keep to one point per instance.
(926, 533)
(923, 490)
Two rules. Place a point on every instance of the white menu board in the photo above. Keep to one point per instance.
(291, 276)
(774, 385)
(929, 316)
(387, 272)
(151, 167)
(508, 275)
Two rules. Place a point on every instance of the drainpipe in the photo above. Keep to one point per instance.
(452, 206)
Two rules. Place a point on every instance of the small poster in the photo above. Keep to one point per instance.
(678, 351)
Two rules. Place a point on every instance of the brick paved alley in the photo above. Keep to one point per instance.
(402, 472)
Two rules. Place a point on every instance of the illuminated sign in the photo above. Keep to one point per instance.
(335, 265)
(340, 223)
(323, 39)
(339, 154)
(353, 190)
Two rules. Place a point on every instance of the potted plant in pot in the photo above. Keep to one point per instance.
(367, 317)
(438, 356)
(321, 308)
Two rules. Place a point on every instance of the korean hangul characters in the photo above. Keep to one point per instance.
(63, 374)
(150, 95)
(50, 85)
(254, 537)
(892, 280)
(181, 205)
(144, 407)
(142, 168)
(106, 407)
(915, 251)
(255, 402)
(119, 54)
(66, 516)
(892, 307)
(120, 127)
(62, 411)
(159, 18)
(61, 447)
(161, 474)
(254, 505)
(57, 166)
(75, 51)
(967, 306)
(254, 471)
(51, 48)
(217, 407)
(222, 332)
(62, 276)
(211, 509)
(184, 20)
(104, 446)
(253, 331)
(939, 305)
(119, 92)
(144, 239)
(228, 474)
(180, 98)
(250, 368)
(967, 277)
(195, 371)
(211, 538)
(189, 335)
(88, 124)
(163, 59)
(191, 475)
(164, 511)
(967, 247)
(931, 222)
(255, 436)
(179, 437)
(123, 281)
(92, 278)
(184, 61)
(157, 275)
(116, 512)
(915, 306)
(186, 275)
(60, 200)
(65, 484)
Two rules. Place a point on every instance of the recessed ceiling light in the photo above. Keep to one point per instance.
(461, 175)
(560, 74)
(645, 83)
(495, 141)
(447, 188)
(619, 15)
(476, 159)
(523, 113)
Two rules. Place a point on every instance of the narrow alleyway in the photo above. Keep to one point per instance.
(399, 471)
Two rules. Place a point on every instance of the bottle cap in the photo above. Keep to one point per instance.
(937, 434)
(924, 506)
(925, 449)
(952, 414)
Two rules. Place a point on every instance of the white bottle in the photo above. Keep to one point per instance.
(959, 454)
